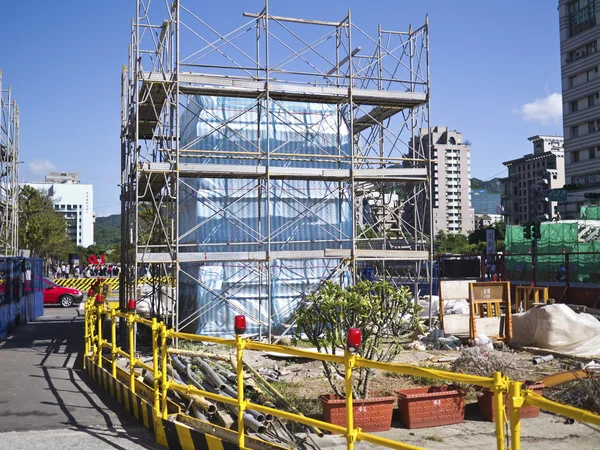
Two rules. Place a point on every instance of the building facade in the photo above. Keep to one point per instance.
(485, 203)
(75, 201)
(451, 178)
(530, 179)
(580, 61)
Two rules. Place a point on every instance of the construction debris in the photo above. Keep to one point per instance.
(217, 374)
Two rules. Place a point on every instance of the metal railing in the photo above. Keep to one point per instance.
(97, 312)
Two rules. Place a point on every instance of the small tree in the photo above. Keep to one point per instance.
(384, 313)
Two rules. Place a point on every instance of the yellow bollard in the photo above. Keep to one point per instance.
(113, 341)
(240, 343)
(155, 371)
(100, 341)
(349, 361)
(130, 324)
(499, 387)
(86, 336)
(516, 401)
(163, 357)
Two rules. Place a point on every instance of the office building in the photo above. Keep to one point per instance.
(579, 34)
(527, 187)
(485, 203)
(75, 201)
(452, 211)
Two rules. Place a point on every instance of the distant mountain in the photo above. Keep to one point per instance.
(107, 230)
(493, 186)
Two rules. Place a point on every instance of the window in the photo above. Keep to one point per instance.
(594, 126)
(592, 74)
(581, 16)
(573, 109)
(592, 153)
(575, 156)
(575, 131)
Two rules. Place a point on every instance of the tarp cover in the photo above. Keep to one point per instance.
(560, 329)
(230, 215)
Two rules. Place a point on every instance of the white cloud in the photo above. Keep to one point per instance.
(547, 110)
(40, 167)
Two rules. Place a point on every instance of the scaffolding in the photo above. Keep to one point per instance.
(9, 172)
(203, 113)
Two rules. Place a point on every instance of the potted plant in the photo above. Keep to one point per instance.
(385, 314)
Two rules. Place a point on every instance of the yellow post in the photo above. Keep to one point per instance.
(113, 341)
(499, 409)
(351, 433)
(155, 371)
(163, 364)
(130, 324)
(516, 401)
(100, 341)
(86, 336)
(240, 343)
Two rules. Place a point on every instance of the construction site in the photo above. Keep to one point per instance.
(279, 287)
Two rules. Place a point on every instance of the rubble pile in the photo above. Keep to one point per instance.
(217, 374)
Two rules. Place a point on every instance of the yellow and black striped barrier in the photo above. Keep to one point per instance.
(171, 434)
(84, 284)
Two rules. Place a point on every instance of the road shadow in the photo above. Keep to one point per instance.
(48, 354)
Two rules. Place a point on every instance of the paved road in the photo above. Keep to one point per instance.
(47, 401)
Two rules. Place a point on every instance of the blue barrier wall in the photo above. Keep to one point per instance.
(21, 292)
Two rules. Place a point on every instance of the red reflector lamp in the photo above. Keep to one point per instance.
(131, 304)
(239, 324)
(354, 339)
(99, 298)
(90, 293)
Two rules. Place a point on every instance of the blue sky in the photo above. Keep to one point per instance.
(495, 74)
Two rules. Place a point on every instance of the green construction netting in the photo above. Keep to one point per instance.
(557, 239)
(589, 212)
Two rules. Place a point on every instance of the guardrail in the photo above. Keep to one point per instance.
(95, 343)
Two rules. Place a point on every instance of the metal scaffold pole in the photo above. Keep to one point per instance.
(9, 172)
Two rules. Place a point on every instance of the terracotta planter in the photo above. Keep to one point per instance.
(431, 406)
(487, 405)
(371, 414)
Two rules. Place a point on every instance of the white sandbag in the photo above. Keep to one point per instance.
(558, 328)
(450, 306)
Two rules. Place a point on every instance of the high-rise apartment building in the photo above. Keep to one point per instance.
(580, 60)
(452, 211)
(530, 179)
(75, 201)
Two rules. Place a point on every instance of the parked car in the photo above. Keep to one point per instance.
(64, 296)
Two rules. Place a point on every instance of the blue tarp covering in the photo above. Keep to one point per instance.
(229, 215)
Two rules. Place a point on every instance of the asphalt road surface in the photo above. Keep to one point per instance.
(47, 401)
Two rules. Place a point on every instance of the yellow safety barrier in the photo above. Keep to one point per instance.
(95, 315)
(84, 284)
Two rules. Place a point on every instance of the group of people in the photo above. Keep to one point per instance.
(67, 270)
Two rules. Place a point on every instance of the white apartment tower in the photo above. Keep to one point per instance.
(75, 201)
(580, 61)
(451, 180)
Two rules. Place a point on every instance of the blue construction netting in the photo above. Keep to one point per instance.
(229, 215)
(21, 292)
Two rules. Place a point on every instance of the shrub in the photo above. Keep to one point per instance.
(383, 312)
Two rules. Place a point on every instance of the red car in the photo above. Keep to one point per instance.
(64, 296)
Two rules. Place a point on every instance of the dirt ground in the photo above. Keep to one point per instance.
(302, 381)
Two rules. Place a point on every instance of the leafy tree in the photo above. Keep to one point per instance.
(478, 237)
(456, 243)
(41, 229)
